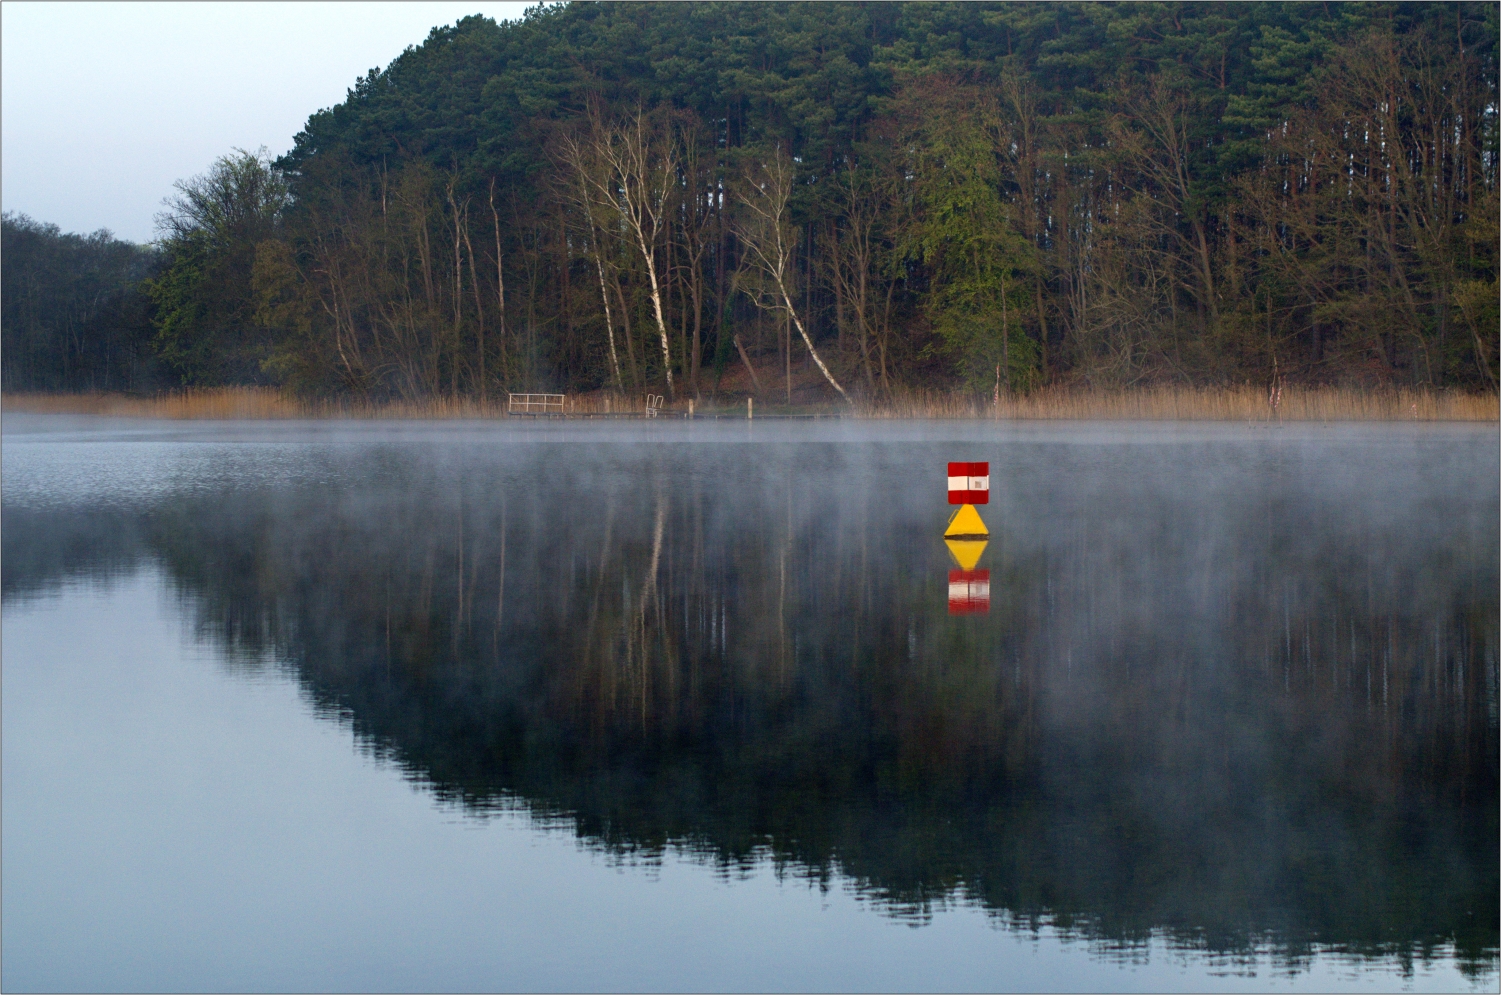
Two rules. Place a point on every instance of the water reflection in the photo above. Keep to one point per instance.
(1233, 702)
(969, 587)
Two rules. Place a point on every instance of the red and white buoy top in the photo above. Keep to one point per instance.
(969, 483)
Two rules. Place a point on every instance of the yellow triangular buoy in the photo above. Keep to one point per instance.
(966, 552)
(965, 523)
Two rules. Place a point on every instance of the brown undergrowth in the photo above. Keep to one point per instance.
(1291, 403)
(1323, 404)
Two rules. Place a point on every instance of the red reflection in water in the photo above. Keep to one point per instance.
(969, 592)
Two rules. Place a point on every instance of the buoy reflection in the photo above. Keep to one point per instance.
(969, 587)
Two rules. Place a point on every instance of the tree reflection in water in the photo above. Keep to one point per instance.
(1238, 702)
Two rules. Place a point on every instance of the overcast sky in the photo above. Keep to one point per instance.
(104, 105)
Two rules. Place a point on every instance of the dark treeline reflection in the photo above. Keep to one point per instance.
(1241, 698)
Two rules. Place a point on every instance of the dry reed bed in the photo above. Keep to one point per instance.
(1323, 404)
(1215, 404)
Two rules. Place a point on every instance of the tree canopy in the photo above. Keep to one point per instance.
(987, 196)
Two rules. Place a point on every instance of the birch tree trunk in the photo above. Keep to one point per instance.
(769, 240)
(642, 173)
(580, 163)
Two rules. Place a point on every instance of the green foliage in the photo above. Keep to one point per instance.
(963, 234)
(204, 303)
(297, 358)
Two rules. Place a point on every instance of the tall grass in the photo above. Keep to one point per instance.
(1203, 404)
(1323, 404)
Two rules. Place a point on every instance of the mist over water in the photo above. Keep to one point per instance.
(1232, 706)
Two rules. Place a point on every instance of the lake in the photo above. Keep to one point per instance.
(711, 706)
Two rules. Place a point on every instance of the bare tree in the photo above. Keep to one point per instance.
(859, 258)
(769, 243)
(1024, 148)
(695, 219)
(459, 217)
(642, 174)
(500, 280)
(1154, 137)
(583, 190)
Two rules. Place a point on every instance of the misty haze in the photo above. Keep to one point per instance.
(1229, 717)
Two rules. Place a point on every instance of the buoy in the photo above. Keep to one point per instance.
(966, 538)
(969, 483)
(966, 524)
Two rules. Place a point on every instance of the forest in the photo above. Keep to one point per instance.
(74, 315)
(856, 199)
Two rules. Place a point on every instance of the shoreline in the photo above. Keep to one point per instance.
(1236, 404)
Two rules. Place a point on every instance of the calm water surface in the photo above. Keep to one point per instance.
(473, 706)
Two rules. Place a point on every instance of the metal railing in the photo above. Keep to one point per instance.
(535, 404)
